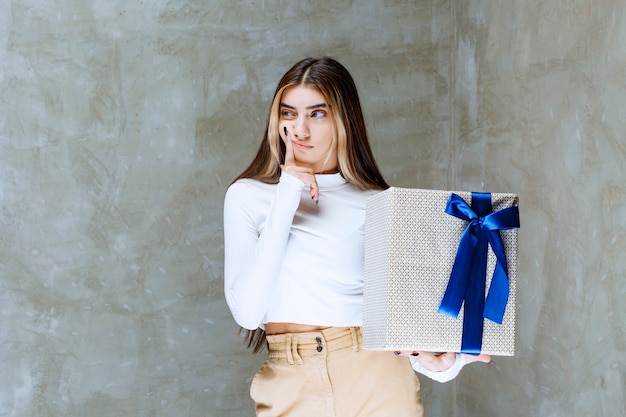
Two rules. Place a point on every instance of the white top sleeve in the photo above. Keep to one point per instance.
(252, 260)
(443, 376)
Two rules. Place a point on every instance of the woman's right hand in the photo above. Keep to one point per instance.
(304, 174)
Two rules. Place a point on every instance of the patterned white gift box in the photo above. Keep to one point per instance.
(410, 247)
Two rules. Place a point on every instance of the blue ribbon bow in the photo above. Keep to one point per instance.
(469, 272)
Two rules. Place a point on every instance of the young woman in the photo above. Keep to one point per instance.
(293, 238)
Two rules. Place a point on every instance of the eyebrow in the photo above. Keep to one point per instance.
(315, 106)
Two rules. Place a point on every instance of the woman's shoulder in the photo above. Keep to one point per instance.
(247, 191)
(365, 193)
(248, 196)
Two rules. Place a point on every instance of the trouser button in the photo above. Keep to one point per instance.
(319, 344)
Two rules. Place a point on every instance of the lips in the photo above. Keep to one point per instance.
(301, 145)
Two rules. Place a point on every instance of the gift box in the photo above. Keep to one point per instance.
(440, 271)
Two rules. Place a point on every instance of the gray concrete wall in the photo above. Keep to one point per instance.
(540, 108)
(122, 123)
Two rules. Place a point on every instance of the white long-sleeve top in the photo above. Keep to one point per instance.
(288, 259)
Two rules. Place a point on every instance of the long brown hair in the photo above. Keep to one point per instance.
(334, 82)
(355, 159)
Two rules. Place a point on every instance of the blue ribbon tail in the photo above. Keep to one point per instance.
(456, 289)
(498, 296)
(472, 339)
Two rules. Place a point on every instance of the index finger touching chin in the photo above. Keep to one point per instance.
(288, 145)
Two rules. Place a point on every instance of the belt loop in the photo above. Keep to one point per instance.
(294, 351)
(288, 343)
(355, 340)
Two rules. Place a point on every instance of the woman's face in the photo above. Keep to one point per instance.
(309, 122)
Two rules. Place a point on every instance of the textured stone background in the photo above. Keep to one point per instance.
(122, 123)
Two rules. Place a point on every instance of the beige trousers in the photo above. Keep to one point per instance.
(327, 374)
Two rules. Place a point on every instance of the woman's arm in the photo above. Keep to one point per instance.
(252, 261)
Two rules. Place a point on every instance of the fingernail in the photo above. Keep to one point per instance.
(415, 354)
(396, 353)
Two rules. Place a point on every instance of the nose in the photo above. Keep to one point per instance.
(301, 129)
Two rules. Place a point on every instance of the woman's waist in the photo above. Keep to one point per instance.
(295, 346)
(274, 328)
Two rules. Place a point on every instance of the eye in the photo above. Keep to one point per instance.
(318, 113)
(287, 113)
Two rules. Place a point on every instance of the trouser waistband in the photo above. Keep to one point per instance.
(295, 346)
